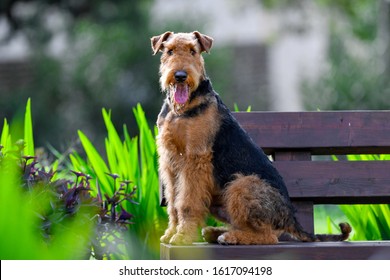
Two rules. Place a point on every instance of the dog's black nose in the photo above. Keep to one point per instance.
(180, 76)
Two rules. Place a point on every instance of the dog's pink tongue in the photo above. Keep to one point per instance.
(181, 94)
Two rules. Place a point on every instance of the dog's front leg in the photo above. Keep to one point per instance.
(168, 181)
(194, 187)
(172, 224)
(190, 218)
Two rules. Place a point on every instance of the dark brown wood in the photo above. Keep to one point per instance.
(291, 156)
(284, 251)
(304, 209)
(337, 132)
(304, 214)
(330, 182)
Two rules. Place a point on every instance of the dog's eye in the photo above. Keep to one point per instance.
(193, 52)
(170, 52)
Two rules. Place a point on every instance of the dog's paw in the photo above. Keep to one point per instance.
(208, 235)
(165, 238)
(227, 239)
(181, 239)
(168, 235)
(211, 234)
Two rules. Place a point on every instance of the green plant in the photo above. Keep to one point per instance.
(26, 197)
(134, 159)
(43, 217)
(236, 109)
(8, 146)
(370, 222)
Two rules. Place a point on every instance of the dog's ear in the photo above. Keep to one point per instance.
(157, 41)
(204, 41)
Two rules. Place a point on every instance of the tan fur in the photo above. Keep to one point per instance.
(249, 202)
(184, 147)
(187, 147)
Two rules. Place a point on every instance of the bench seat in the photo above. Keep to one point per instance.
(366, 250)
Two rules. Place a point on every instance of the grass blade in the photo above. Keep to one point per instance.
(28, 131)
(97, 163)
(5, 139)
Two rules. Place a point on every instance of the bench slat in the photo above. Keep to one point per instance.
(335, 182)
(284, 250)
(338, 132)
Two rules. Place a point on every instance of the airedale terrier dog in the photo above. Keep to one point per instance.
(209, 165)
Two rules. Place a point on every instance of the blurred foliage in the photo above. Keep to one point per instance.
(358, 58)
(356, 77)
(46, 214)
(106, 62)
(350, 83)
(25, 233)
(361, 14)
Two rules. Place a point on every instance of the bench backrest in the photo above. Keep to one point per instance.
(295, 139)
(292, 139)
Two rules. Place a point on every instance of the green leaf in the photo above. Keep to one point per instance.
(28, 131)
(97, 163)
(5, 139)
(4, 133)
(115, 149)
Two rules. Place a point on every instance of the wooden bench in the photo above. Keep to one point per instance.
(292, 139)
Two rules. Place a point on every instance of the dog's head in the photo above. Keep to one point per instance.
(182, 64)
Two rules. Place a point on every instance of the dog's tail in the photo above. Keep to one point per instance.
(298, 232)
